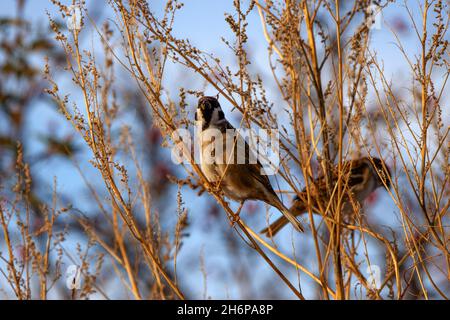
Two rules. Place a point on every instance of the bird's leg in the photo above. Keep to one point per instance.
(217, 187)
(235, 218)
(213, 188)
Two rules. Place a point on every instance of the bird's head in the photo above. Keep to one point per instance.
(209, 113)
(381, 171)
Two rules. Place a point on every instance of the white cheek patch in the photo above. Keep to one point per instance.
(199, 116)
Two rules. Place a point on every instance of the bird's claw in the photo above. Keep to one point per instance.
(213, 188)
(235, 218)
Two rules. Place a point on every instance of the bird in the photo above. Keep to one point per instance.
(360, 178)
(221, 148)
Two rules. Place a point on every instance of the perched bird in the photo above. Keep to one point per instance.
(221, 149)
(361, 177)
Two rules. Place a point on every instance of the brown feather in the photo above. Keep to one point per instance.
(356, 180)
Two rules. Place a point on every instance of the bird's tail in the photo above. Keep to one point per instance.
(288, 216)
(274, 227)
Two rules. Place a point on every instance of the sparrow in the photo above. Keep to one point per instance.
(361, 177)
(221, 148)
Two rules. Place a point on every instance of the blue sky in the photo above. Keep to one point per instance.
(202, 21)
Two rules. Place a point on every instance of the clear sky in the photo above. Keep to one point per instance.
(202, 21)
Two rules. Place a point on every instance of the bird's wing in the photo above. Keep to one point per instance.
(242, 149)
(254, 165)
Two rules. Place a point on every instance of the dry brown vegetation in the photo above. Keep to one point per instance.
(335, 102)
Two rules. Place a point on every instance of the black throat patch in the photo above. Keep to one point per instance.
(207, 107)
